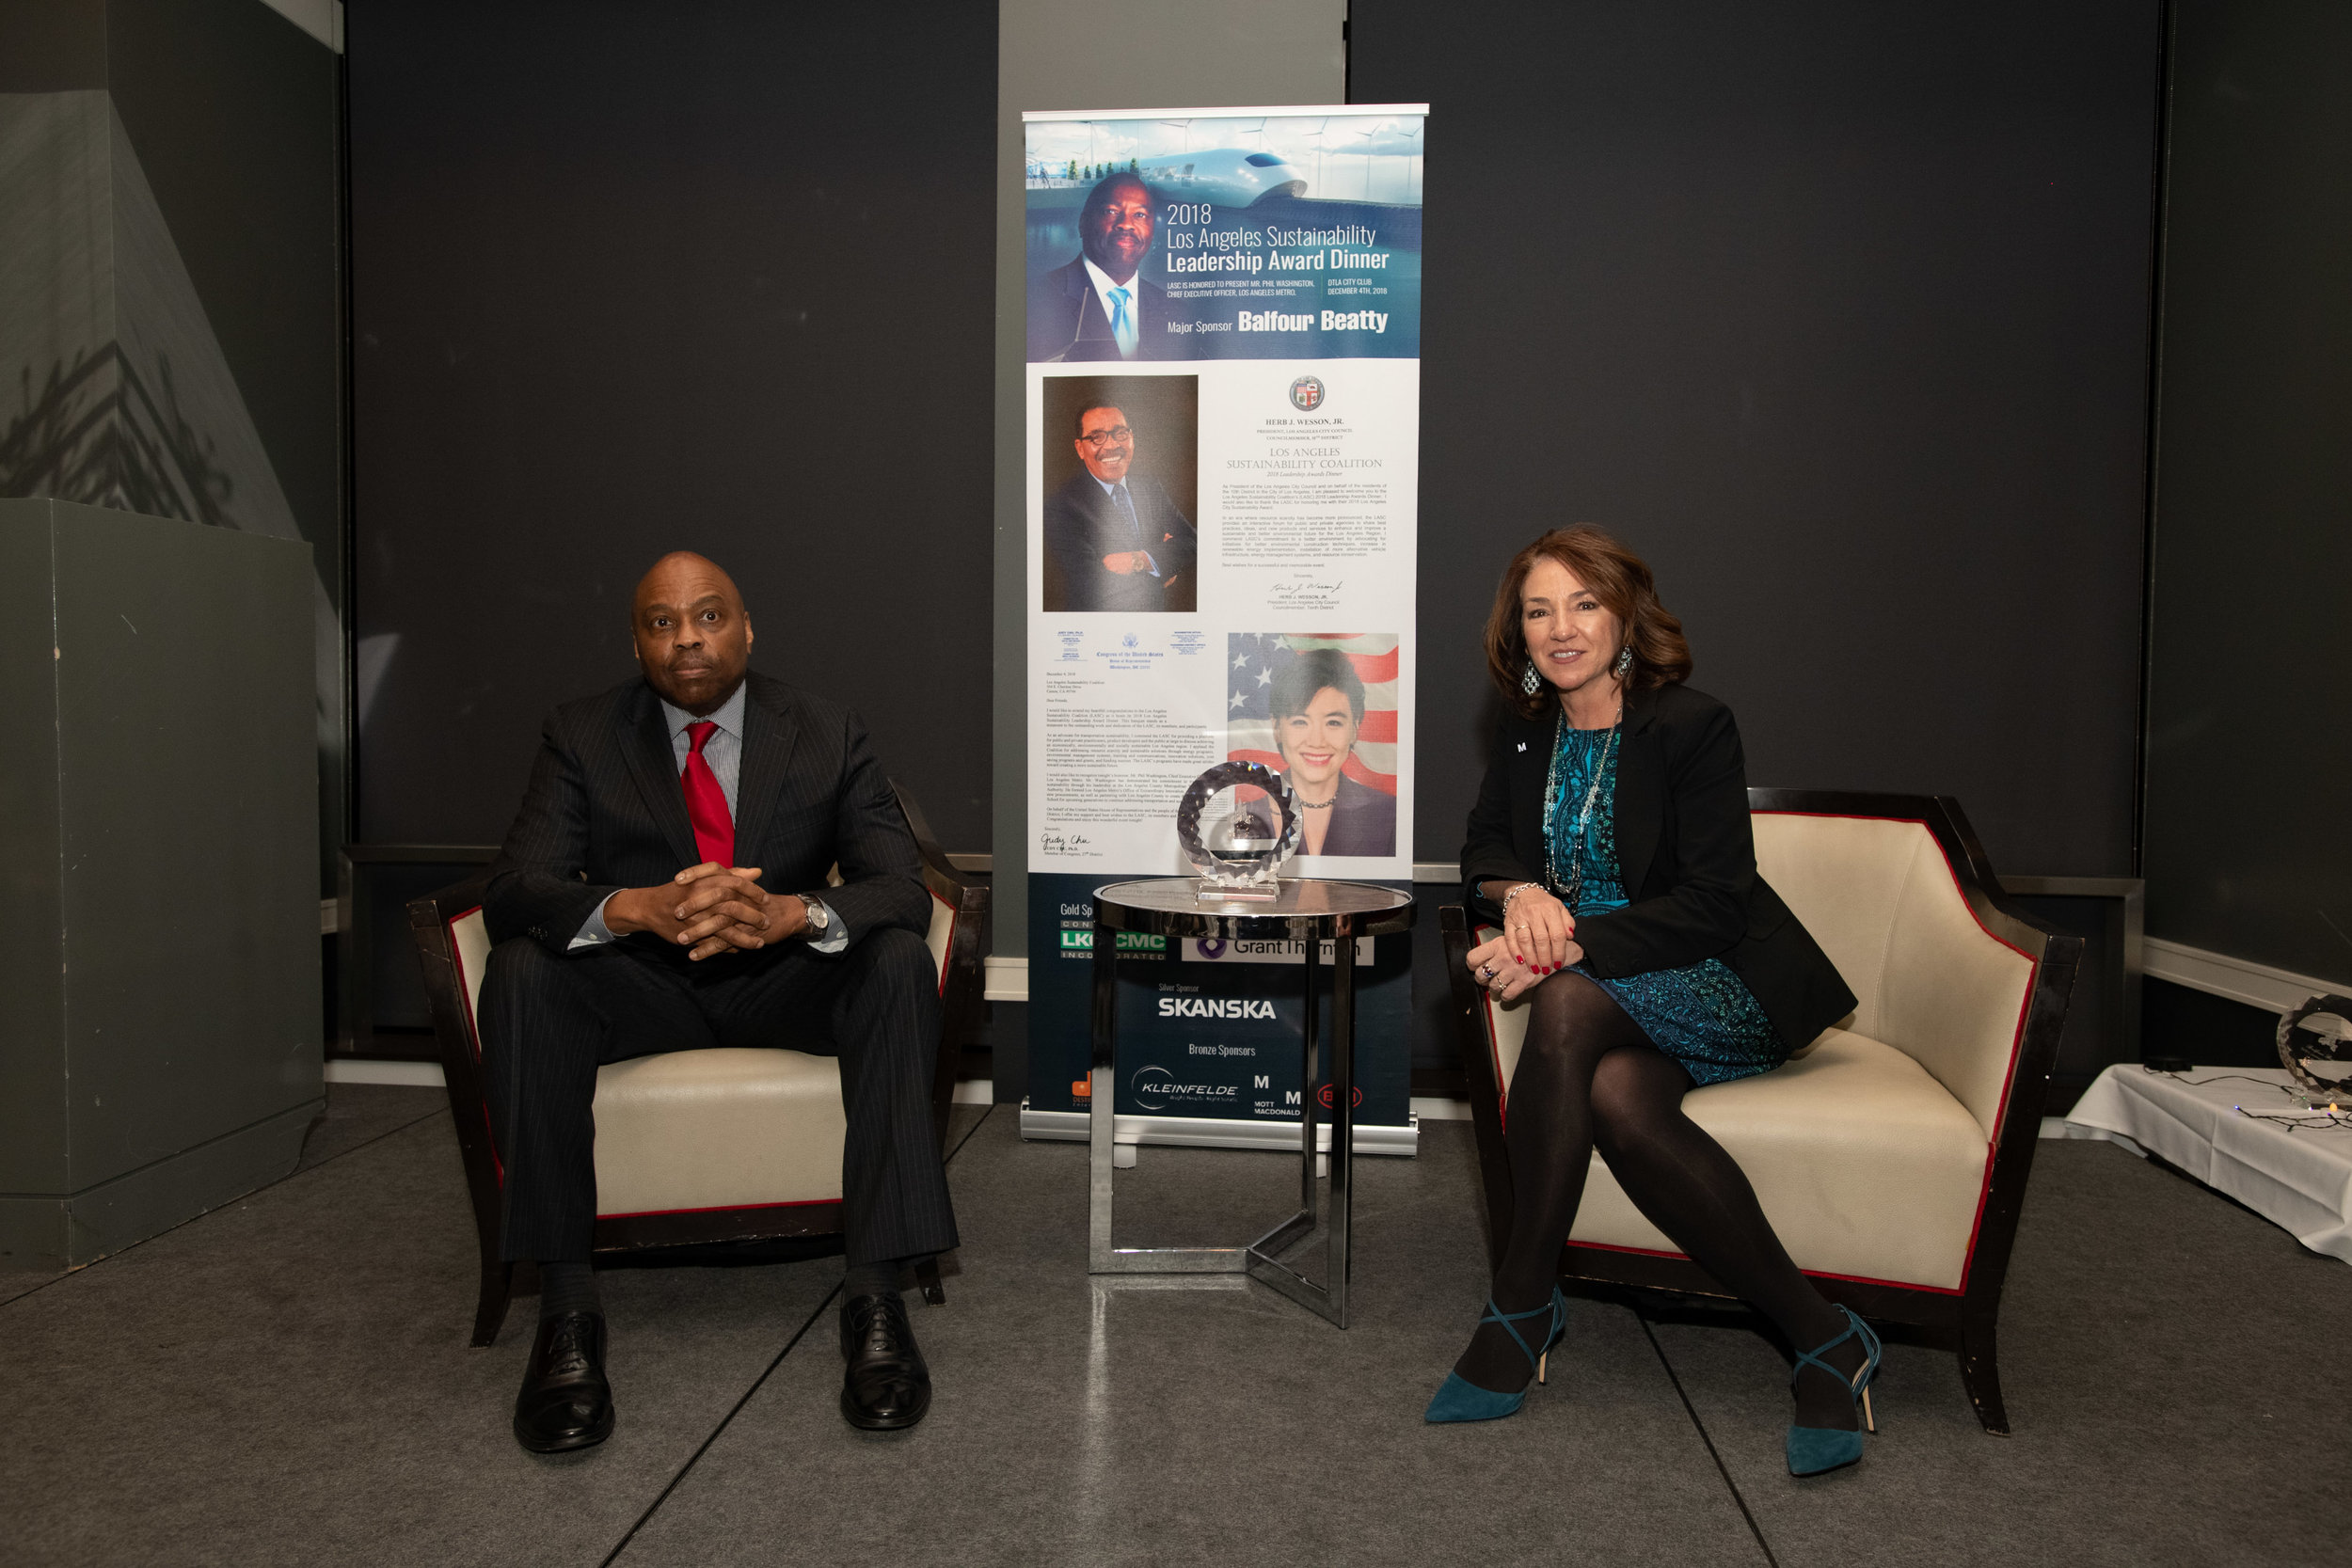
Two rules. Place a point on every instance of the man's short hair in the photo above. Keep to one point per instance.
(1078, 425)
(1112, 182)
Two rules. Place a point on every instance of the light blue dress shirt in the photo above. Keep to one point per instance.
(724, 751)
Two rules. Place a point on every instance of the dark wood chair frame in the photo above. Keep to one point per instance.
(1965, 1318)
(429, 920)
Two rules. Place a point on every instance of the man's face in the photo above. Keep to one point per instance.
(693, 640)
(1117, 231)
(1106, 445)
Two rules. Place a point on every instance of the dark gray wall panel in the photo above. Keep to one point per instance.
(172, 1047)
(1836, 312)
(55, 46)
(235, 114)
(236, 117)
(634, 278)
(2248, 753)
(186, 768)
(32, 923)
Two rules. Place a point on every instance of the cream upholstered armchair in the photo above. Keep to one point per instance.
(693, 1147)
(1891, 1154)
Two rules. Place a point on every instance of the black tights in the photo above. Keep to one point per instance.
(1588, 1077)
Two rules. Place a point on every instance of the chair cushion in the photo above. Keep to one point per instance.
(1866, 1166)
(725, 1129)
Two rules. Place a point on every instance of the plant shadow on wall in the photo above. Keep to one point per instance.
(96, 432)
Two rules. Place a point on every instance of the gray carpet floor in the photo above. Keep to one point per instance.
(286, 1380)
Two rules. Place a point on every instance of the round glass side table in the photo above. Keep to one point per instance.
(1309, 911)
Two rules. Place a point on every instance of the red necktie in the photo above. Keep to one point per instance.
(705, 803)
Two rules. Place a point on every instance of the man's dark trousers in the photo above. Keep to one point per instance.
(548, 1022)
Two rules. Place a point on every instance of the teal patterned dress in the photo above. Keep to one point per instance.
(1702, 1016)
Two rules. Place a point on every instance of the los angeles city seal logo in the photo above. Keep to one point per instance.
(1306, 393)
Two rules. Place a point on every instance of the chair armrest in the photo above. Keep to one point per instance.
(962, 981)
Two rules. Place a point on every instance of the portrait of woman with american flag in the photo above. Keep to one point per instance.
(1321, 708)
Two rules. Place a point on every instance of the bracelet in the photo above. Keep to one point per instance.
(1510, 893)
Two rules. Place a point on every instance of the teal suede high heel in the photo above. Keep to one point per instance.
(1457, 1398)
(1814, 1449)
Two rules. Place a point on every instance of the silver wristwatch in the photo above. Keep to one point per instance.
(820, 917)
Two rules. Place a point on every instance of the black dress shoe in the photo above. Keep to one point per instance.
(887, 1389)
(565, 1403)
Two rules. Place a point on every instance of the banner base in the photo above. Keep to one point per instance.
(1214, 1132)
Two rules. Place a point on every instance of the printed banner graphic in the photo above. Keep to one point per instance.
(1223, 393)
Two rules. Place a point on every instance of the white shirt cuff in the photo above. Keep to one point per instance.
(594, 932)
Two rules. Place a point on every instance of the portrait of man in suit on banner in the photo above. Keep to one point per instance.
(1099, 305)
(1116, 539)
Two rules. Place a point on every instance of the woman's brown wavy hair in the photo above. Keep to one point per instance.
(1620, 580)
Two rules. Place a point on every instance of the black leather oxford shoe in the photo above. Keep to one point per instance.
(887, 1387)
(565, 1403)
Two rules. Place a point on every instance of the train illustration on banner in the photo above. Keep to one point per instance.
(1224, 176)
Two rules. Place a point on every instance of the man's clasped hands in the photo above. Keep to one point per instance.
(709, 908)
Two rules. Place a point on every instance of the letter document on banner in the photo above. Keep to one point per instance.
(1224, 426)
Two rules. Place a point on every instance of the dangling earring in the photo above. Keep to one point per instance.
(1530, 682)
(1625, 660)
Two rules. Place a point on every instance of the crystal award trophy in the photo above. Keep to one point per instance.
(2315, 1043)
(1238, 846)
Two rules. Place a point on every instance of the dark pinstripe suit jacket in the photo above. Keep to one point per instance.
(605, 811)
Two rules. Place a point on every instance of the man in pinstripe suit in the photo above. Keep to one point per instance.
(606, 949)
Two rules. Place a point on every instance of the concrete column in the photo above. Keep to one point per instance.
(159, 949)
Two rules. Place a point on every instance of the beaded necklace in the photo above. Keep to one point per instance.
(1554, 782)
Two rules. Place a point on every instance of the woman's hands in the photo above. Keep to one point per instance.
(1538, 938)
(1492, 966)
(1539, 930)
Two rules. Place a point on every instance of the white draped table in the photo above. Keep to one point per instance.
(2289, 1165)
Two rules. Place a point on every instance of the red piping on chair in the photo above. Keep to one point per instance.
(1502, 1092)
(2016, 1039)
(473, 1035)
(719, 1209)
(1814, 1273)
(951, 943)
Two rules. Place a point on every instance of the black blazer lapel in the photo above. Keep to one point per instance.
(1531, 769)
(1640, 794)
(646, 742)
(1104, 523)
(768, 736)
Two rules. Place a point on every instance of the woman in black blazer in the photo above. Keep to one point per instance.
(1611, 848)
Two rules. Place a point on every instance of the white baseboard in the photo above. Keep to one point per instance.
(415, 1075)
(1008, 980)
(2243, 980)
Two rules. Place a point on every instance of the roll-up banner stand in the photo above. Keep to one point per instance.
(1224, 424)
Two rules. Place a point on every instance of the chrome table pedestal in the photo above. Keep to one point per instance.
(1310, 913)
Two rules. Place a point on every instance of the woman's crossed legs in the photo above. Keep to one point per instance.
(1587, 1076)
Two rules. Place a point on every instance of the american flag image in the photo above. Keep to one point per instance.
(1252, 659)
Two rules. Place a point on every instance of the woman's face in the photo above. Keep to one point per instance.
(1569, 636)
(1316, 743)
